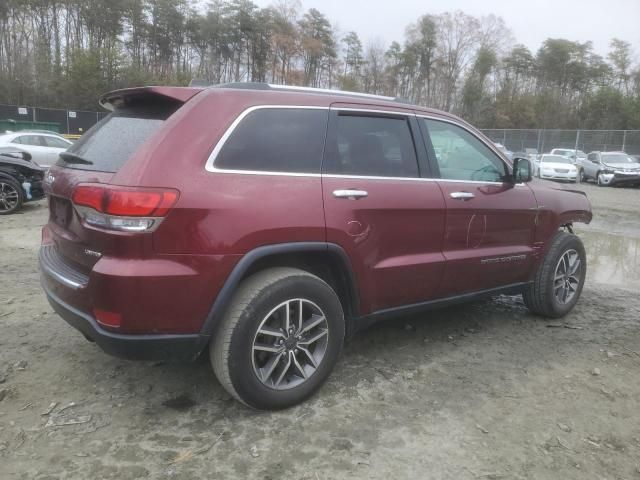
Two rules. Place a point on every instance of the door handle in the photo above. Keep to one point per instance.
(462, 195)
(350, 194)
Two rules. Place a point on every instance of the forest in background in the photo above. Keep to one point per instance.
(66, 53)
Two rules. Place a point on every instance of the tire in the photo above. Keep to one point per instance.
(261, 298)
(11, 196)
(582, 176)
(579, 177)
(599, 180)
(541, 295)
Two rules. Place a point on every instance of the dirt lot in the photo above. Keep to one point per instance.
(480, 391)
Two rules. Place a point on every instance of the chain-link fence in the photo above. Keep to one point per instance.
(72, 122)
(543, 141)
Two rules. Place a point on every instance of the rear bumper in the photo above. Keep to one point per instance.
(184, 347)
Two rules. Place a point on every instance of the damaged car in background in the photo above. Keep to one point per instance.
(20, 180)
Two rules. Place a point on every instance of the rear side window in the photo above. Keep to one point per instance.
(276, 140)
(377, 146)
(33, 140)
(113, 140)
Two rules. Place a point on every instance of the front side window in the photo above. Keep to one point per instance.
(276, 140)
(462, 156)
(377, 146)
(56, 142)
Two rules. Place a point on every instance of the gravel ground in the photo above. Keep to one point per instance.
(484, 390)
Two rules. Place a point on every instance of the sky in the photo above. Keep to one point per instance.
(531, 21)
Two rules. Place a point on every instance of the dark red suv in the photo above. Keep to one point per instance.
(265, 223)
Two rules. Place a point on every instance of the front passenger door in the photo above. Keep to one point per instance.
(490, 222)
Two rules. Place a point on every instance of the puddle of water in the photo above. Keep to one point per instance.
(612, 259)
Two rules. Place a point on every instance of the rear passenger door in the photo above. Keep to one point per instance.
(389, 220)
(490, 223)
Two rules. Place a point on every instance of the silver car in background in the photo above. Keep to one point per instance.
(611, 168)
(44, 147)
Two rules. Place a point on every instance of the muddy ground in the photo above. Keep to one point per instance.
(478, 391)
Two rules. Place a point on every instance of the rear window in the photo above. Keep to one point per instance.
(113, 140)
(276, 140)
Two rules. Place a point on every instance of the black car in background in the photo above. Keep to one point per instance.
(21, 180)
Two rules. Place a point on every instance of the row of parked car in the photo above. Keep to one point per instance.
(24, 158)
(604, 168)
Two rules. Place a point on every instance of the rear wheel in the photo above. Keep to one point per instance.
(11, 196)
(558, 282)
(279, 340)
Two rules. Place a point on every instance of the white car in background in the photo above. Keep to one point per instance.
(44, 147)
(557, 167)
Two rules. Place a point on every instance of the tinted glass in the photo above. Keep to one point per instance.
(56, 142)
(372, 146)
(461, 156)
(113, 140)
(276, 140)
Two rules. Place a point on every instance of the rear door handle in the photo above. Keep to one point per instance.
(350, 194)
(462, 195)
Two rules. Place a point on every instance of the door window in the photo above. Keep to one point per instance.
(33, 140)
(377, 146)
(56, 142)
(462, 156)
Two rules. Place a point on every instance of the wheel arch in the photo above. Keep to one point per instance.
(327, 261)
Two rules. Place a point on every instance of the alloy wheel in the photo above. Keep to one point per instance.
(290, 344)
(567, 276)
(9, 197)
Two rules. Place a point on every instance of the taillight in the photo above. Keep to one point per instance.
(107, 319)
(123, 208)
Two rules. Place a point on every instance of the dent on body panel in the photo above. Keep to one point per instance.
(557, 207)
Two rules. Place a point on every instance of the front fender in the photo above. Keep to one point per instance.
(558, 206)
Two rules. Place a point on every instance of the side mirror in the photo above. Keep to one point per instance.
(522, 171)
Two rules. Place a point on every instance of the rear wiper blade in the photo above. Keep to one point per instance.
(73, 158)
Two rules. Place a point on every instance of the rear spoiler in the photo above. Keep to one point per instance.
(117, 98)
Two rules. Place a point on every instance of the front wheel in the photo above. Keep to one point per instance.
(600, 180)
(279, 340)
(558, 282)
(582, 176)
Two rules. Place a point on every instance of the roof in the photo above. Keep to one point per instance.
(312, 90)
(113, 99)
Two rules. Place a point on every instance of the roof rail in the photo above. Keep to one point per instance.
(294, 88)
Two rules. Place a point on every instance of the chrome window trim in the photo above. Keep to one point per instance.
(210, 165)
(406, 113)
